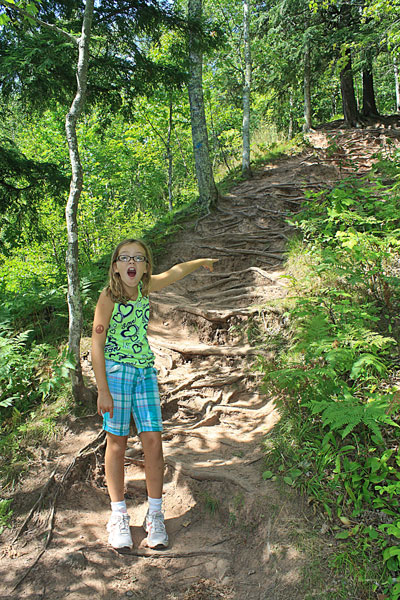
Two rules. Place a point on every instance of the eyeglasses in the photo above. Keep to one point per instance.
(137, 259)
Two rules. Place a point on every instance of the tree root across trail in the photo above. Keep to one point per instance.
(231, 533)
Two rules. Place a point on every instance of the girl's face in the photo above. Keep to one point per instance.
(130, 271)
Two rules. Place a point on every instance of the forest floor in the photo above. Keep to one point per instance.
(232, 534)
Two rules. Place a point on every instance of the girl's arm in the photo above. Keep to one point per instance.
(177, 272)
(101, 322)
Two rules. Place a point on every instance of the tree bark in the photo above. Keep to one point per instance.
(291, 104)
(397, 84)
(246, 171)
(205, 179)
(350, 110)
(369, 108)
(307, 88)
(169, 155)
(74, 296)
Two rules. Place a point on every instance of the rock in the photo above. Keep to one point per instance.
(76, 560)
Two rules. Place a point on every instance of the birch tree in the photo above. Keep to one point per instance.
(307, 87)
(246, 171)
(74, 298)
(205, 179)
(396, 83)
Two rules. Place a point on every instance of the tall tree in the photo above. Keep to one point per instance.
(74, 298)
(396, 83)
(72, 258)
(307, 86)
(205, 179)
(350, 109)
(369, 108)
(246, 171)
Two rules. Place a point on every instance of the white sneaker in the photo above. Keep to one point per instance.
(118, 528)
(155, 528)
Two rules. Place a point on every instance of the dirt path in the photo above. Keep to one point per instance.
(232, 535)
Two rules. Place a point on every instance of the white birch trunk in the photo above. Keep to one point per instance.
(397, 83)
(74, 297)
(246, 171)
(307, 89)
(169, 157)
(205, 178)
(291, 103)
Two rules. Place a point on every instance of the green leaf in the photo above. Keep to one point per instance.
(343, 535)
(390, 552)
(267, 475)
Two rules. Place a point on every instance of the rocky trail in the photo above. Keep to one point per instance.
(232, 535)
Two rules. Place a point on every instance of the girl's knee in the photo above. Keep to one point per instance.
(116, 444)
(151, 442)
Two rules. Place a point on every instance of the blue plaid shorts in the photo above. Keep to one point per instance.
(134, 391)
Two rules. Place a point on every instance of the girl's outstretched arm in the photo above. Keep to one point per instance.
(177, 272)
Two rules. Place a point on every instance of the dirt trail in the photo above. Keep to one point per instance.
(232, 535)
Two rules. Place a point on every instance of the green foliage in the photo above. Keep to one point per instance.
(211, 504)
(5, 514)
(26, 375)
(339, 432)
(23, 184)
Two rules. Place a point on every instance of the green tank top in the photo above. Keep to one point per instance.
(126, 340)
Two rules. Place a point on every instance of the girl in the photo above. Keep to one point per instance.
(126, 380)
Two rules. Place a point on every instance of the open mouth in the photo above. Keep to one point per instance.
(131, 272)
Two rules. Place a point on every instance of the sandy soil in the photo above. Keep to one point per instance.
(232, 535)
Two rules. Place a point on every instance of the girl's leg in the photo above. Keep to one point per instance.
(154, 469)
(114, 465)
(153, 462)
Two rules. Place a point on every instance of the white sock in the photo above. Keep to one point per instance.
(119, 506)
(155, 504)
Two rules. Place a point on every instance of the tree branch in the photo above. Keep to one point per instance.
(26, 14)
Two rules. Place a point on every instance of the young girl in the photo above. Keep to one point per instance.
(126, 380)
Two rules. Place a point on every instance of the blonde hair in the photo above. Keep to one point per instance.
(115, 289)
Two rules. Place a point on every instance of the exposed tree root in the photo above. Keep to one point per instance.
(91, 448)
(201, 474)
(148, 553)
(204, 383)
(229, 252)
(45, 488)
(205, 350)
(171, 433)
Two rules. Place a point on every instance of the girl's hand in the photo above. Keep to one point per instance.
(105, 404)
(208, 263)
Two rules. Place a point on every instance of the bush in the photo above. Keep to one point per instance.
(338, 437)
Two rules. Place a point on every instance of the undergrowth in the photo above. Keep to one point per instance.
(337, 377)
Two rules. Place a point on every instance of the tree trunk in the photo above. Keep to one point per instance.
(246, 171)
(169, 156)
(369, 108)
(74, 297)
(291, 103)
(205, 179)
(307, 89)
(397, 84)
(350, 110)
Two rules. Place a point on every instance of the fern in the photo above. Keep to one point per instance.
(345, 415)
